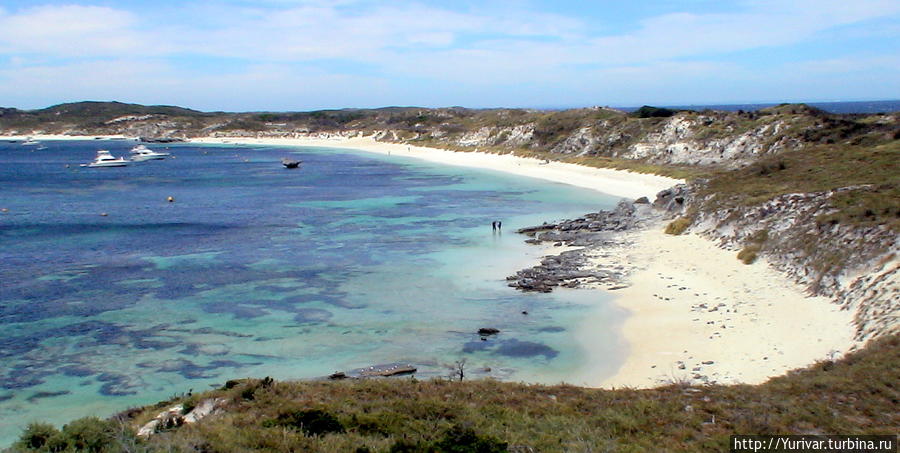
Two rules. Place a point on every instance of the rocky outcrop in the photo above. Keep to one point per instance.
(855, 265)
(875, 299)
(175, 416)
(396, 370)
(685, 140)
(574, 268)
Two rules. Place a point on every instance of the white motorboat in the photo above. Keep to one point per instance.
(141, 153)
(31, 141)
(105, 159)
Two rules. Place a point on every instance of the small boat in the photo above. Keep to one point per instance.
(105, 159)
(141, 153)
(31, 141)
(288, 163)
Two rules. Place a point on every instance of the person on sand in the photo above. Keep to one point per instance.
(494, 225)
(499, 225)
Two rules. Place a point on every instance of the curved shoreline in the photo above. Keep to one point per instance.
(764, 327)
(613, 182)
(757, 323)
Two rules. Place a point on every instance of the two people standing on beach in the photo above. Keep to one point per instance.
(496, 225)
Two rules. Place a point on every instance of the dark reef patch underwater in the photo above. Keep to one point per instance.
(353, 260)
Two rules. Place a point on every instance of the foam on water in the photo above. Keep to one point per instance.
(351, 261)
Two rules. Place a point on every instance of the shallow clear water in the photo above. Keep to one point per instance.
(353, 260)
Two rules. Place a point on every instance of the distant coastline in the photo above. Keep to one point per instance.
(841, 107)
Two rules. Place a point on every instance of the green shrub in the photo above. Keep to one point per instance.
(679, 225)
(455, 440)
(405, 446)
(90, 434)
(465, 440)
(36, 436)
(252, 386)
(314, 422)
(653, 112)
(188, 405)
(748, 254)
(58, 442)
(249, 392)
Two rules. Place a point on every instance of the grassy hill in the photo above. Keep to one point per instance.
(858, 394)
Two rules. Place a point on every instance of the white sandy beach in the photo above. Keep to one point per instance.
(699, 314)
(614, 182)
(690, 301)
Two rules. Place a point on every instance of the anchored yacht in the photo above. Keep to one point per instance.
(105, 159)
(141, 153)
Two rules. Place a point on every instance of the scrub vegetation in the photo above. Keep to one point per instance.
(857, 394)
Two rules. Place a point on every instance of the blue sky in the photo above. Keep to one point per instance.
(309, 54)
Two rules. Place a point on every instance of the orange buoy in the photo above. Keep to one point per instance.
(170, 199)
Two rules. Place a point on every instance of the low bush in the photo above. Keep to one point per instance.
(188, 405)
(36, 435)
(748, 254)
(653, 112)
(455, 440)
(313, 422)
(678, 225)
(87, 434)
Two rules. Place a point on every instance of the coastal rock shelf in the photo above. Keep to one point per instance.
(595, 234)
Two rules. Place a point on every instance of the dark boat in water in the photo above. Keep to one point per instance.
(288, 163)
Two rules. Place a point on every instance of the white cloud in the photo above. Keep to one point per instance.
(769, 24)
(856, 64)
(310, 30)
(261, 87)
(280, 46)
(71, 31)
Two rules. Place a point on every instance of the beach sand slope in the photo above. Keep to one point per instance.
(699, 315)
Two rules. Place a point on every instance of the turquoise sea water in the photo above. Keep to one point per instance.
(353, 260)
